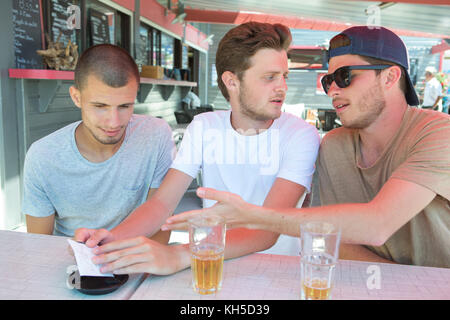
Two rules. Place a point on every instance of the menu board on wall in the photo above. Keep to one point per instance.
(99, 27)
(59, 17)
(27, 33)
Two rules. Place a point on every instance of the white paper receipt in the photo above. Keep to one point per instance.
(84, 255)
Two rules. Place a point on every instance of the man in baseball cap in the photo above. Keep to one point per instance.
(384, 176)
(390, 157)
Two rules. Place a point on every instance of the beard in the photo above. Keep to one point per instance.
(106, 140)
(250, 110)
(370, 106)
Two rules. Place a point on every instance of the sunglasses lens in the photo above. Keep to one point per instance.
(343, 77)
(327, 81)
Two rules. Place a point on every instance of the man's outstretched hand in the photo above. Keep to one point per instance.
(236, 212)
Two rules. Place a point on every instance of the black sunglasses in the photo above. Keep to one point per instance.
(343, 75)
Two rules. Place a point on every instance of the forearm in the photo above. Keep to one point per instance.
(146, 220)
(242, 241)
(239, 242)
(183, 257)
(359, 253)
(359, 222)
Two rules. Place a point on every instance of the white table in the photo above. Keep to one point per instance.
(275, 277)
(35, 267)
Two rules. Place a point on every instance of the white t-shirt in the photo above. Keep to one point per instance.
(248, 164)
(433, 89)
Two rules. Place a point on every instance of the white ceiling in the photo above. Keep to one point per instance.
(415, 17)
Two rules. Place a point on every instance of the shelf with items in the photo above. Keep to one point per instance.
(146, 84)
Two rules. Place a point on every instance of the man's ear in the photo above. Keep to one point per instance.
(393, 76)
(230, 80)
(75, 94)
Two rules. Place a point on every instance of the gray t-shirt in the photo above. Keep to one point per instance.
(59, 180)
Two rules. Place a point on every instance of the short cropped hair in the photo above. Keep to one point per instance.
(109, 63)
(341, 40)
(242, 42)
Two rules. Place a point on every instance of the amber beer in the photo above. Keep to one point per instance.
(317, 272)
(207, 267)
(317, 289)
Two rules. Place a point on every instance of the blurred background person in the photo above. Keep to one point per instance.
(432, 94)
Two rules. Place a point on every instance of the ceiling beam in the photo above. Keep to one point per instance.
(239, 17)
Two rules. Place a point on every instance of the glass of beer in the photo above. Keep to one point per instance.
(207, 245)
(319, 243)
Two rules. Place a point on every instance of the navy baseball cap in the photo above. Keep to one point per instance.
(379, 43)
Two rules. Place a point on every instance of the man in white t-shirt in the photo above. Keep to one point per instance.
(255, 150)
(432, 94)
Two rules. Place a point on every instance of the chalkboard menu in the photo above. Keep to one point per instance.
(99, 27)
(27, 33)
(59, 17)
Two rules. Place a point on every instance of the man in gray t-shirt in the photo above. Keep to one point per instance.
(93, 173)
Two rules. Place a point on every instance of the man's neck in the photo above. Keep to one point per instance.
(247, 126)
(375, 138)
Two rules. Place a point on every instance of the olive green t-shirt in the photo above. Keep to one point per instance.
(420, 153)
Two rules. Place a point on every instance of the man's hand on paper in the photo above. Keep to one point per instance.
(83, 256)
(93, 237)
(140, 254)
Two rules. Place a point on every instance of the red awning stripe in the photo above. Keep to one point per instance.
(230, 17)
